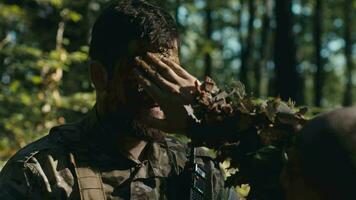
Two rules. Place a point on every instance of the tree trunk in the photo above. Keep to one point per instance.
(260, 65)
(176, 15)
(348, 45)
(176, 12)
(208, 33)
(239, 25)
(319, 75)
(287, 80)
(247, 47)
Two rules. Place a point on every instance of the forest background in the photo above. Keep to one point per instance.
(299, 49)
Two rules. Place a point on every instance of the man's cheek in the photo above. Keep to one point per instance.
(119, 91)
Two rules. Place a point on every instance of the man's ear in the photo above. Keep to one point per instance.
(98, 75)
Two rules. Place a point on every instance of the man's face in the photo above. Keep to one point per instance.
(126, 94)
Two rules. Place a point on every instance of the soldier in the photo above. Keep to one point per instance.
(114, 152)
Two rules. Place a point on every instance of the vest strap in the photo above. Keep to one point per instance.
(89, 181)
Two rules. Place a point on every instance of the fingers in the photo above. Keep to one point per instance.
(152, 90)
(178, 69)
(165, 70)
(156, 77)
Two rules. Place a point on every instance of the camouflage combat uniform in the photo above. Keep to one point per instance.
(75, 162)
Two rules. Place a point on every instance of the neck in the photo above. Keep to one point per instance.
(130, 145)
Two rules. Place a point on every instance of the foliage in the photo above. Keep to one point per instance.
(33, 71)
(254, 135)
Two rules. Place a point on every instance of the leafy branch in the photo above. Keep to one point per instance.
(253, 134)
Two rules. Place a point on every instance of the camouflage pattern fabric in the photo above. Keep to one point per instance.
(48, 168)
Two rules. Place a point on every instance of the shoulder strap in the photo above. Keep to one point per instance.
(90, 184)
(177, 153)
(172, 159)
(89, 181)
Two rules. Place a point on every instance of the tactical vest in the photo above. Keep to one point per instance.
(89, 181)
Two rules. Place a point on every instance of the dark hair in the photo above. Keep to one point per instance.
(128, 26)
(326, 147)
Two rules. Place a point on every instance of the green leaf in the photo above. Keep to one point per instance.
(36, 80)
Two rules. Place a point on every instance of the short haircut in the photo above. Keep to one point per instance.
(128, 26)
(327, 152)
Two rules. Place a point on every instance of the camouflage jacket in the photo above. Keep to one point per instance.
(72, 163)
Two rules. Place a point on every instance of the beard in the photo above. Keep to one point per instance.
(128, 117)
(126, 123)
(139, 130)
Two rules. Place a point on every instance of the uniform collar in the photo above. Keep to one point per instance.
(100, 140)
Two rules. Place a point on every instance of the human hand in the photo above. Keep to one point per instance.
(171, 87)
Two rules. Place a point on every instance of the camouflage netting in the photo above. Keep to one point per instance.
(252, 134)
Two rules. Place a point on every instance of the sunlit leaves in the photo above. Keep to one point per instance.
(227, 168)
(11, 13)
(54, 3)
(80, 102)
(23, 51)
(79, 56)
(14, 86)
(243, 190)
(71, 15)
(32, 71)
(36, 80)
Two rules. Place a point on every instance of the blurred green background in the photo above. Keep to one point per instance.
(302, 49)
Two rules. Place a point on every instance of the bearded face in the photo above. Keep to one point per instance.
(127, 106)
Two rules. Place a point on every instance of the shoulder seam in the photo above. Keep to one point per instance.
(26, 153)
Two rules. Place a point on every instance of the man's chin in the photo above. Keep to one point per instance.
(140, 130)
(143, 129)
(136, 122)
